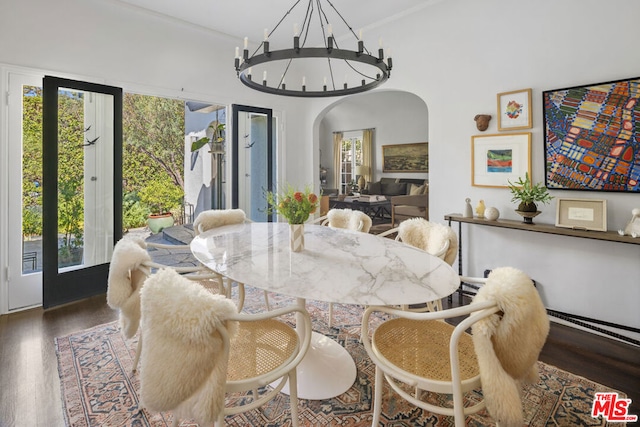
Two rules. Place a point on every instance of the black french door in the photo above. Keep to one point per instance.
(82, 187)
(253, 160)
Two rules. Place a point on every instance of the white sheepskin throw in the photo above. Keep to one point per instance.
(430, 237)
(349, 219)
(508, 345)
(214, 218)
(183, 365)
(125, 281)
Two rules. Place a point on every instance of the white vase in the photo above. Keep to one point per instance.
(492, 213)
(296, 237)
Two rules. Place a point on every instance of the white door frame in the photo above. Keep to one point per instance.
(17, 291)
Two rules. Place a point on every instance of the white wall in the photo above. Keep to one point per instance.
(457, 55)
(397, 117)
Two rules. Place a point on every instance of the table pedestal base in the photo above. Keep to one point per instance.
(326, 371)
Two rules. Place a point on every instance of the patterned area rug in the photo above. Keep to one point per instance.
(99, 389)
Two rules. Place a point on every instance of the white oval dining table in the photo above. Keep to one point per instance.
(336, 265)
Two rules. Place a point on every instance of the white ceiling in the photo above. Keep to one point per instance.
(249, 18)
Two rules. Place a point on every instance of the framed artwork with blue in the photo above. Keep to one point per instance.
(500, 158)
(592, 137)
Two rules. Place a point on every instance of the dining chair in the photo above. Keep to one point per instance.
(422, 352)
(436, 239)
(210, 219)
(199, 349)
(130, 266)
(349, 219)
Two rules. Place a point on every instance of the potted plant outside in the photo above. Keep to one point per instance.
(527, 195)
(161, 198)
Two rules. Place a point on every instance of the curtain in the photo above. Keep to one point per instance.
(367, 142)
(337, 157)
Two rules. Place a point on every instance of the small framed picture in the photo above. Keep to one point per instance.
(582, 214)
(500, 158)
(514, 110)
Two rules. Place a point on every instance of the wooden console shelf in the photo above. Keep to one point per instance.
(611, 236)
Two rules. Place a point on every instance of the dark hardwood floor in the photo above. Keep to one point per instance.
(30, 388)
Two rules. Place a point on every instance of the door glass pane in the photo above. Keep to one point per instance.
(31, 179)
(253, 165)
(85, 178)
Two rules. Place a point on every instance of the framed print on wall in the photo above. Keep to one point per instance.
(498, 159)
(592, 137)
(582, 214)
(405, 157)
(514, 110)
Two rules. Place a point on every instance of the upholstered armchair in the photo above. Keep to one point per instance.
(410, 206)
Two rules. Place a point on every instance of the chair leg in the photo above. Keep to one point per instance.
(240, 296)
(293, 397)
(377, 397)
(136, 358)
(220, 422)
(330, 315)
(266, 300)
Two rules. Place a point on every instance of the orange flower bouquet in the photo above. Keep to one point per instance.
(294, 205)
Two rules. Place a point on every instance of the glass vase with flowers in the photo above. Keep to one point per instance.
(296, 206)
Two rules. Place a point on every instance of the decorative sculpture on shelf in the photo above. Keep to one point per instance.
(480, 209)
(491, 213)
(468, 210)
(633, 226)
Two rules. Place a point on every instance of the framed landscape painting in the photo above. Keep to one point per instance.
(405, 157)
(592, 137)
(498, 159)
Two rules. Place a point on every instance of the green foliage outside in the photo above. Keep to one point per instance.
(153, 158)
(161, 198)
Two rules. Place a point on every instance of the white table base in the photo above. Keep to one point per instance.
(327, 370)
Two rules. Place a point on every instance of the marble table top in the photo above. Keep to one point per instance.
(336, 265)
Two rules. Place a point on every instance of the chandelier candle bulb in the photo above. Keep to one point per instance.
(237, 53)
(246, 43)
(296, 31)
(266, 34)
(330, 29)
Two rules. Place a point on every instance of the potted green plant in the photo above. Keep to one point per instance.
(527, 195)
(161, 198)
(215, 138)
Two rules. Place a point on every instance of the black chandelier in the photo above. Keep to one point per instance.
(376, 72)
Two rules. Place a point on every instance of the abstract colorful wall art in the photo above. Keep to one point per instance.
(592, 137)
(500, 161)
(514, 110)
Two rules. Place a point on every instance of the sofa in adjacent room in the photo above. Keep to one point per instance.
(409, 197)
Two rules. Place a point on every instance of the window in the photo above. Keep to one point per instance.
(350, 157)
